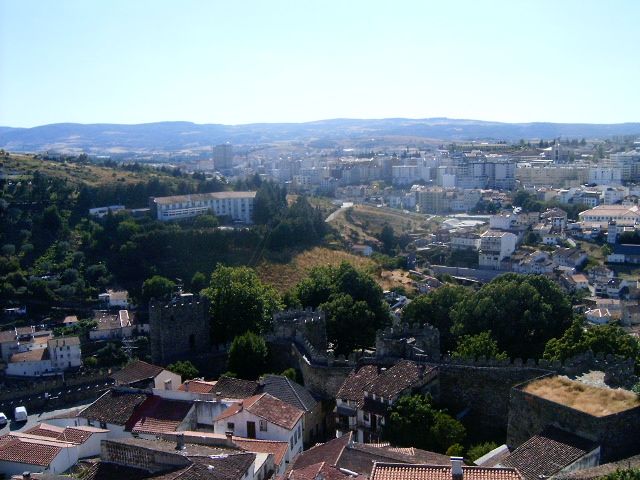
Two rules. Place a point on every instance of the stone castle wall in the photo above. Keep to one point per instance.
(529, 414)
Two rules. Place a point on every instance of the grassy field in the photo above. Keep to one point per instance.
(363, 222)
(284, 276)
(592, 400)
(92, 175)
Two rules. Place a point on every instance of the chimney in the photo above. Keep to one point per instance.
(167, 384)
(180, 441)
(456, 468)
(218, 396)
(26, 475)
(229, 435)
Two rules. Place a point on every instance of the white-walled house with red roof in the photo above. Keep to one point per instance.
(264, 417)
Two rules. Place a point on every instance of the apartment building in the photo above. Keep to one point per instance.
(236, 205)
(495, 246)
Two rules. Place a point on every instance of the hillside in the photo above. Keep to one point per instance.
(186, 136)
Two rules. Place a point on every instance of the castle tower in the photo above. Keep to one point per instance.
(179, 329)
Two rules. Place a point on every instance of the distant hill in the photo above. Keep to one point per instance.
(176, 136)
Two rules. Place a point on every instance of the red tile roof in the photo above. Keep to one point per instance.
(36, 355)
(158, 415)
(197, 386)
(7, 336)
(401, 376)
(115, 407)
(136, 371)
(28, 451)
(321, 470)
(329, 452)
(235, 387)
(394, 471)
(278, 449)
(548, 453)
(354, 385)
(75, 435)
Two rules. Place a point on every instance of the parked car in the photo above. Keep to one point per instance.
(3, 419)
(20, 414)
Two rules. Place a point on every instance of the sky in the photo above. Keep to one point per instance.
(249, 61)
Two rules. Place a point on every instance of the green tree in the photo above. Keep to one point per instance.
(184, 368)
(248, 356)
(198, 282)
(240, 302)
(352, 300)
(522, 311)
(434, 308)
(350, 324)
(478, 450)
(623, 474)
(438, 431)
(157, 287)
(476, 346)
(388, 239)
(606, 339)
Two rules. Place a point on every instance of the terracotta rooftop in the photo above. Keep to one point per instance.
(235, 387)
(35, 355)
(14, 448)
(547, 453)
(401, 376)
(360, 457)
(354, 385)
(7, 336)
(75, 435)
(278, 449)
(267, 407)
(63, 341)
(394, 471)
(115, 407)
(136, 371)
(158, 415)
(197, 386)
(320, 470)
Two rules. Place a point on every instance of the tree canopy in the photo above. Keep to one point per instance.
(606, 339)
(434, 308)
(438, 430)
(157, 287)
(353, 303)
(184, 368)
(522, 311)
(476, 346)
(248, 356)
(240, 302)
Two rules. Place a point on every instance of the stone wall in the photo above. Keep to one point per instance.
(309, 324)
(140, 457)
(530, 414)
(179, 329)
(322, 380)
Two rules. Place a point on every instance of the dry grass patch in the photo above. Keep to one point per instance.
(592, 400)
(283, 276)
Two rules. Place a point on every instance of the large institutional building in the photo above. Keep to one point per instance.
(237, 205)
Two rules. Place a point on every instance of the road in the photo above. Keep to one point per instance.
(333, 215)
(35, 418)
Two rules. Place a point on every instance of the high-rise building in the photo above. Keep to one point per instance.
(223, 157)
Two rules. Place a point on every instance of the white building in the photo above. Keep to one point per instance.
(495, 246)
(20, 452)
(104, 211)
(603, 214)
(58, 355)
(111, 326)
(236, 205)
(602, 175)
(115, 298)
(264, 417)
(65, 352)
(465, 241)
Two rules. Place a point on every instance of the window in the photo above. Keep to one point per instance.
(365, 417)
(231, 425)
(263, 425)
(291, 443)
(103, 425)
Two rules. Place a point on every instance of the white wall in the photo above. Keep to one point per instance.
(176, 380)
(274, 432)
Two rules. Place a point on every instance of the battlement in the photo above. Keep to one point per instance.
(302, 326)
(179, 301)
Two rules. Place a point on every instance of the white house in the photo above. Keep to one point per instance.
(264, 417)
(112, 411)
(21, 452)
(86, 438)
(65, 352)
(111, 326)
(115, 298)
(495, 246)
(465, 241)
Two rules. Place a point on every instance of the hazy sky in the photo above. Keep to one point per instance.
(241, 61)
